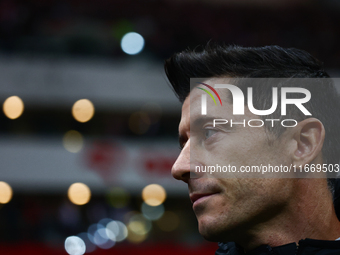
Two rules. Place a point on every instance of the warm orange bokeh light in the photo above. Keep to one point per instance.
(79, 193)
(83, 110)
(154, 194)
(13, 107)
(6, 193)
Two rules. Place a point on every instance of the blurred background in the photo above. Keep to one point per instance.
(88, 131)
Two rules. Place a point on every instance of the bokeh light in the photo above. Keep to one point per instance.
(138, 228)
(168, 222)
(135, 238)
(129, 215)
(79, 193)
(13, 107)
(73, 141)
(154, 194)
(83, 110)
(100, 235)
(139, 224)
(74, 245)
(132, 43)
(90, 247)
(104, 222)
(152, 212)
(6, 193)
(90, 232)
(119, 230)
(118, 197)
(104, 238)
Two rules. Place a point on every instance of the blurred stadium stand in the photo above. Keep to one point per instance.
(53, 53)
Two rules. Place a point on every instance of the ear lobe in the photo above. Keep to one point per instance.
(309, 136)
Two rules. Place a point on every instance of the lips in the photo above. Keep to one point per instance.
(195, 197)
(202, 189)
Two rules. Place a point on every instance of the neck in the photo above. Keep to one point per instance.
(310, 214)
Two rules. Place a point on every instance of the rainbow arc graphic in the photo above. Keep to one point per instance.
(209, 93)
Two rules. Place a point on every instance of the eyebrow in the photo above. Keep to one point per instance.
(201, 120)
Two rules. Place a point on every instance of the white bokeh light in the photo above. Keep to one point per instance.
(75, 245)
(100, 236)
(118, 229)
(132, 43)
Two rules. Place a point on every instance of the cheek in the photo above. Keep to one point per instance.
(238, 149)
(264, 194)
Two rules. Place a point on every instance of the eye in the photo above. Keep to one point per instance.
(209, 132)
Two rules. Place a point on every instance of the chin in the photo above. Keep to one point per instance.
(210, 235)
(211, 230)
(217, 229)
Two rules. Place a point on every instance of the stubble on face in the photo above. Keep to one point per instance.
(231, 207)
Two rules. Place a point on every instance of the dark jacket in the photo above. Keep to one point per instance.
(305, 247)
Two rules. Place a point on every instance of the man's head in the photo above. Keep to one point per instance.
(217, 61)
(232, 209)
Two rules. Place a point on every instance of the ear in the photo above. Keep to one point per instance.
(309, 135)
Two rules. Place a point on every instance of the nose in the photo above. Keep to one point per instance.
(181, 168)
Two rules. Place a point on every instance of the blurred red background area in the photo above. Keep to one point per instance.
(146, 249)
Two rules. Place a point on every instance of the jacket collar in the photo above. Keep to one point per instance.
(306, 246)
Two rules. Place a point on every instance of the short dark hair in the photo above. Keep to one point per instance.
(235, 61)
(214, 61)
